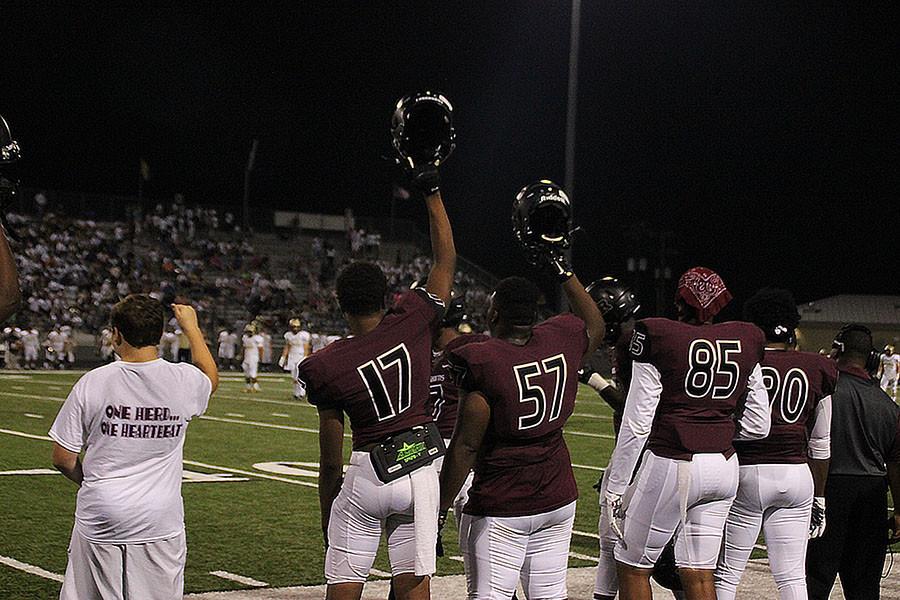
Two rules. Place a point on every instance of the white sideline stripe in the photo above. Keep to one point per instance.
(760, 547)
(457, 558)
(17, 387)
(580, 556)
(595, 536)
(282, 415)
(30, 436)
(261, 424)
(238, 415)
(587, 416)
(194, 463)
(239, 578)
(592, 435)
(17, 564)
(32, 396)
(264, 400)
(34, 416)
(379, 573)
(588, 467)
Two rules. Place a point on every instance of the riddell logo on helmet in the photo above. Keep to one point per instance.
(552, 198)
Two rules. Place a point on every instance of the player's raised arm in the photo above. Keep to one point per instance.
(584, 307)
(200, 354)
(443, 251)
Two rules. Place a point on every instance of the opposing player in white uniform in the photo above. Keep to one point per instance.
(69, 345)
(780, 475)
(266, 359)
(106, 345)
(253, 351)
(296, 347)
(31, 342)
(55, 344)
(890, 366)
(227, 343)
(129, 419)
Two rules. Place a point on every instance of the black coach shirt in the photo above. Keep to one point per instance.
(865, 426)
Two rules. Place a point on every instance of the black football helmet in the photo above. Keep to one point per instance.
(455, 314)
(617, 303)
(542, 218)
(422, 129)
(9, 180)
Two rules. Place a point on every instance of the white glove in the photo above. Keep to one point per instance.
(817, 522)
(613, 503)
(282, 361)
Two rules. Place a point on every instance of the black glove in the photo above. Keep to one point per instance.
(584, 373)
(424, 179)
(442, 520)
(557, 264)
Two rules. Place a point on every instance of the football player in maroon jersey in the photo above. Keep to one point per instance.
(10, 294)
(521, 386)
(379, 379)
(688, 381)
(780, 474)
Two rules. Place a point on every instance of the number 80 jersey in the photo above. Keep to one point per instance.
(380, 379)
(523, 466)
(796, 382)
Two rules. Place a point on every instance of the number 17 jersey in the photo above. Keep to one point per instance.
(523, 466)
(380, 379)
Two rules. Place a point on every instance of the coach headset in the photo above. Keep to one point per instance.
(873, 358)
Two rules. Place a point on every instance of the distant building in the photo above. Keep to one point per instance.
(821, 320)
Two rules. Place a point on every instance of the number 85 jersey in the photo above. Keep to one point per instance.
(380, 379)
(523, 466)
(800, 385)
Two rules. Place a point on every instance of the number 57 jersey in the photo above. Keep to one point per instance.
(523, 466)
(380, 379)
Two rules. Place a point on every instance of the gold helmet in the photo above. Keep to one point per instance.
(295, 323)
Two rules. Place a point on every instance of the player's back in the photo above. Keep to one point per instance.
(379, 379)
(703, 370)
(796, 383)
(524, 467)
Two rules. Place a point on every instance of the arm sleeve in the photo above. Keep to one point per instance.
(756, 418)
(67, 429)
(820, 436)
(199, 387)
(640, 409)
(420, 299)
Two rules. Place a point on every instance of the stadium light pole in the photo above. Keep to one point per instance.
(251, 161)
(571, 114)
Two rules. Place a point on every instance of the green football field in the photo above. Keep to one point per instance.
(251, 504)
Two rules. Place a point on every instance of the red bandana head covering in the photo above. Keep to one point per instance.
(703, 289)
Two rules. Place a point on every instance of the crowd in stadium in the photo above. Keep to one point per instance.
(73, 270)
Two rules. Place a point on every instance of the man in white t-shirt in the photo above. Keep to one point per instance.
(253, 351)
(129, 418)
(296, 344)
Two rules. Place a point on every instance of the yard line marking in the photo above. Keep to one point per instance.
(34, 416)
(282, 415)
(194, 463)
(239, 415)
(591, 435)
(588, 416)
(31, 472)
(239, 578)
(760, 547)
(33, 397)
(379, 573)
(17, 387)
(27, 435)
(588, 467)
(586, 534)
(579, 556)
(259, 424)
(17, 564)
(265, 400)
(457, 558)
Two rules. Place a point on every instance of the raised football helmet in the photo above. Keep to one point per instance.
(9, 155)
(542, 217)
(422, 129)
(617, 303)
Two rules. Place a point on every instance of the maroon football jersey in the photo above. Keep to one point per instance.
(523, 466)
(704, 370)
(380, 379)
(796, 382)
(444, 391)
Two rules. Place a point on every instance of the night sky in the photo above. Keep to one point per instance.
(762, 140)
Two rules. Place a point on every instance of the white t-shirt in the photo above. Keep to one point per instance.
(252, 344)
(296, 343)
(891, 364)
(130, 420)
